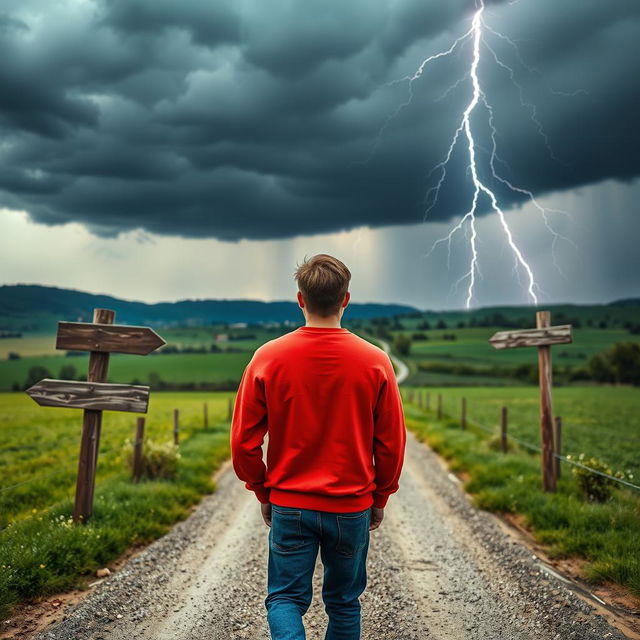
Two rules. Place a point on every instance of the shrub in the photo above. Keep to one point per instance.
(402, 344)
(593, 486)
(67, 372)
(159, 459)
(36, 373)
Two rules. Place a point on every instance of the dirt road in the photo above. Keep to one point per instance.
(438, 569)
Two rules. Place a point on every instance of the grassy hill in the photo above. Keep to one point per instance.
(35, 308)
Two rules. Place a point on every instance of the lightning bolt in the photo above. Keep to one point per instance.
(481, 190)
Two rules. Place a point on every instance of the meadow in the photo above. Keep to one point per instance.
(41, 551)
(434, 359)
(602, 535)
(598, 421)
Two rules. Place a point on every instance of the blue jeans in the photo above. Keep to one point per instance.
(294, 538)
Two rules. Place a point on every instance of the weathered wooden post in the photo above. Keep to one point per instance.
(503, 429)
(100, 337)
(542, 337)
(137, 449)
(439, 414)
(176, 426)
(428, 401)
(463, 412)
(557, 443)
(206, 416)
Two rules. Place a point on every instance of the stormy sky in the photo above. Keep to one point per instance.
(189, 142)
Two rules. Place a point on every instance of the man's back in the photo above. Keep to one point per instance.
(331, 405)
(332, 409)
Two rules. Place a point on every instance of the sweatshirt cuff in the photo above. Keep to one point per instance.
(261, 493)
(379, 500)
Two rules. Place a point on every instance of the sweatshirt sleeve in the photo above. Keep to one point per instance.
(389, 438)
(248, 428)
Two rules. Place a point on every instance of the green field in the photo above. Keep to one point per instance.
(39, 446)
(225, 365)
(605, 534)
(599, 421)
(41, 551)
(469, 359)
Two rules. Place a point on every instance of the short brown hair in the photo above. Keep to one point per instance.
(323, 281)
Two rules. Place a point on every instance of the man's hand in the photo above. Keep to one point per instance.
(377, 516)
(265, 508)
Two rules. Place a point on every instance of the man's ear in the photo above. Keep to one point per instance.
(347, 297)
(300, 300)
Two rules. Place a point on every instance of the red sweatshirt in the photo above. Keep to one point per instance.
(330, 403)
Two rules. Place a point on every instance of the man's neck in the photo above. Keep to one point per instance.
(332, 322)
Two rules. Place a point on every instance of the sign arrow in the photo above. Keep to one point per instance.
(120, 338)
(532, 337)
(100, 396)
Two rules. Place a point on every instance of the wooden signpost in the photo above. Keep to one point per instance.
(101, 337)
(542, 337)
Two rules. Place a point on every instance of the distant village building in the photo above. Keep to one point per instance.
(222, 337)
(238, 325)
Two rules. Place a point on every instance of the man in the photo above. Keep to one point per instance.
(330, 403)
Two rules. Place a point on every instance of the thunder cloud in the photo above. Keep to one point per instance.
(270, 118)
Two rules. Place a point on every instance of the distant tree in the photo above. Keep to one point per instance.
(461, 324)
(383, 332)
(419, 336)
(441, 324)
(402, 344)
(35, 374)
(599, 368)
(602, 324)
(67, 372)
(13, 356)
(624, 358)
(423, 325)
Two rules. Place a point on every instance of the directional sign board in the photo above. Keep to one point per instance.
(85, 336)
(101, 396)
(532, 337)
(542, 337)
(100, 337)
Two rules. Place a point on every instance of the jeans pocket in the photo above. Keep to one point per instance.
(286, 529)
(353, 532)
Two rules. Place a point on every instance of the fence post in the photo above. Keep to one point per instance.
(463, 417)
(557, 441)
(137, 449)
(206, 416)
(176, 419)
(439, 406)
(428, 401)
(503, 429)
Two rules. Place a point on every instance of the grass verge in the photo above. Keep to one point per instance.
(47, 554)
(604, 534)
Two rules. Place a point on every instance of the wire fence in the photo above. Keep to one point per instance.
(535, 448)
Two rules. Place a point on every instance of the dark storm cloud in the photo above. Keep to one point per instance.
(264, 119)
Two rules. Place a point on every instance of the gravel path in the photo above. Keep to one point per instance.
(438, 569)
